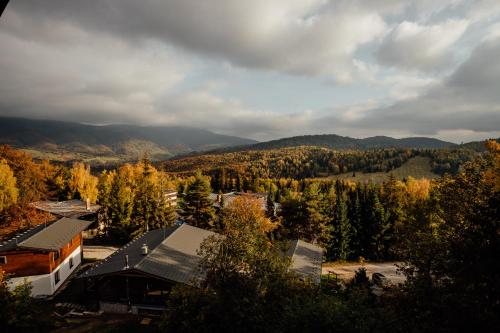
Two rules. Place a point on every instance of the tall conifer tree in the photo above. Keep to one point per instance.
(197, 207)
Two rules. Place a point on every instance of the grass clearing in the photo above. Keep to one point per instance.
(416, 167)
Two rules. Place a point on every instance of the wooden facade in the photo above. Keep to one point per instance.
(27, 262)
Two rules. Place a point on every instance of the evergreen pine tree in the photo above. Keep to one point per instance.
(315, 223)
(342, 234)
(270, 211)
(379, 226)
(354, 215)
(197, 207)
(121, 208)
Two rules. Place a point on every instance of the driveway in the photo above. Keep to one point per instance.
(346, 271)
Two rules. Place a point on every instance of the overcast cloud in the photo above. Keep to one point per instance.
(400, 68)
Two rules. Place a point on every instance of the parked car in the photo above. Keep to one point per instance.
(380, 280)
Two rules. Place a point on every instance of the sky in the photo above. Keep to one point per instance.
(261, 69)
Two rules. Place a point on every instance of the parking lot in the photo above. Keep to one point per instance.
(345, 271)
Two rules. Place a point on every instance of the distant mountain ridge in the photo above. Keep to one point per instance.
(344, 142)
(110, 141)
(65, 141)
(478, 146)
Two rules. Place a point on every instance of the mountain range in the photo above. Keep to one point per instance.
(65, 141)
(345, 142)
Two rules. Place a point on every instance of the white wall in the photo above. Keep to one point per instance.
(44, 285)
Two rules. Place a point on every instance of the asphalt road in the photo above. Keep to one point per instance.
(346, 271)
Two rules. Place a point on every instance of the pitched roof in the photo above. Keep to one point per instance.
(116, 261)
(172, 256)
(176, 258)
(306, 260)
(11, 244)
(56, 235)
(68, 208)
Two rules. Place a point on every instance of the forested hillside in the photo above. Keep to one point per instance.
(63, 141)
(476, 145)
(236, 170)
(345, 142)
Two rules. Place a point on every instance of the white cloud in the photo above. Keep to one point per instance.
(306, 37)
(467, 100)
(91, 78)
(413, 46)
(404, 86)
(483, 10)
(128, 61)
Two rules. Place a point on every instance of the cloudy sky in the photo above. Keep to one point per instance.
(261, 69)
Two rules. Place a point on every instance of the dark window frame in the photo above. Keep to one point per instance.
(71, 264)
(3, 260)
(57, 277)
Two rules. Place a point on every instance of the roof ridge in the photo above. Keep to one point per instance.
(152, 250)
(17, 235)
(45, 227)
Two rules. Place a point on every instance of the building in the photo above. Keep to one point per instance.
(227, 198)
(171, 197)
(45, 255)
(140, 275)
(307, 260)
(74, 209)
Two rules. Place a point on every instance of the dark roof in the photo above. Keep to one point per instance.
(116, 261)
(56, 235)
(176, 258)
(172, 255)
(69, 208)
(306, 260)
(11, 244)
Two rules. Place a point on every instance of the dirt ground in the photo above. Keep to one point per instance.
(106, 323)
(345, 271)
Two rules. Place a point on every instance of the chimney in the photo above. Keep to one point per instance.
(144, 249)
(88, 204)
(126, 262)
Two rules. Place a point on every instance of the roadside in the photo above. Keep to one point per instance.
(345, 271)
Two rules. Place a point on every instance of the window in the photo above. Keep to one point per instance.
(3, 260)
(70, 262)
(56, 255)
(57, 278)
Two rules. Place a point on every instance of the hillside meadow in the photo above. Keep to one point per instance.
(416, 167)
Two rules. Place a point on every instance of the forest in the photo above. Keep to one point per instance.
(245, 170)
(444, 231)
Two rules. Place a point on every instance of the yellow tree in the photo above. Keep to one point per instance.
(8, 189)
(493, 173)
(83, 183)
(417, 189)
(246, 212)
